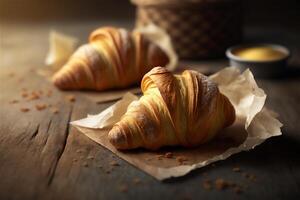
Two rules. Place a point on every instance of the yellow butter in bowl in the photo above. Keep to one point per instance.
(260, 53)
(264, 60)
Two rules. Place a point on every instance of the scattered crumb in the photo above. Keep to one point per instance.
(55, 110)
(24, 94)
(148, 159)
(24, 109)
(231, 184)
(168, 155)
(74, 160)
(160, 157)
(14, 101)
(40, 92)
(11, 74)
(207, 185)
(24, 89)
(221, 184)
(99, 166)
(71, 98)
(114, 163)
(49, 93)
(137, 181)
(181, 159)
(85, 164)
(78, 151)
(123, 188)
(34, 96)
(237, 189)
(251, 177)
(90, 157)
(40, 106)
(236, 169)
(107, 171)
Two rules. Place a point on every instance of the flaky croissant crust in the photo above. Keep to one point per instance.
(113, 58)
(185, 110)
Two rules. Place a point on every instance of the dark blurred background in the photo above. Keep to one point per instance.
(273, 21)
(270, 12)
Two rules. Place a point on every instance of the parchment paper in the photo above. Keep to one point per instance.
(254, 124)
(62, 46)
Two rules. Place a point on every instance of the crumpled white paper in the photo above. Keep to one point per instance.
(61, 47)
(108, 116)
(254, 124)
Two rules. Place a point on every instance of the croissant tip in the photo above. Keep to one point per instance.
(117, 138)
(58, 82)
(61, 82)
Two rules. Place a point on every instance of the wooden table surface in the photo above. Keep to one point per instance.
(42, 157)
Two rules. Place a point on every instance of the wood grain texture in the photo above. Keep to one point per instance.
(42, 157)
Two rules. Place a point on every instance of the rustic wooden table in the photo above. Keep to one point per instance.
(42, 157)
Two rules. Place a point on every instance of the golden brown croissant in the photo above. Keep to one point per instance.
(114, 58)
(185, 110)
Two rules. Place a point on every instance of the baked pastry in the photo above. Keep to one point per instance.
(113, 58)
(185, 110)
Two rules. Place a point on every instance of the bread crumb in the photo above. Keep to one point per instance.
(251, 177)
(78, 151)
(90, 157)
(137, 181)
(71, 98)
(160, 157)
(99, 166)
(24, 109)
(236, 169)
(34, 96)
(181, 159)
(55, 110)
(123, 188)
(207, 185)
(221, 184)
(74, 160)
(14, 101)
(107, 171)
(40, 92)
(168, 155)
(49, 93)
(24, 94)
(237, 189)
(40, 106)
(114, 163)
(85, 164)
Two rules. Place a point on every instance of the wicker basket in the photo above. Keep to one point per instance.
(198, 28)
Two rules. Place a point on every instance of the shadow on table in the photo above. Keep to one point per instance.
(282, 152)
(291, 72)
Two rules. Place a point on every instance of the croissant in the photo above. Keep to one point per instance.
(185, 110)
(113, 58)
